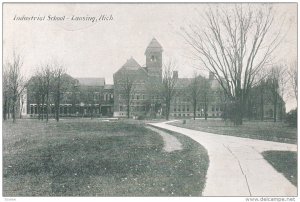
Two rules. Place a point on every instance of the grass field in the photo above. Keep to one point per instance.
(270, 131)
(284, 162)
(86, 157)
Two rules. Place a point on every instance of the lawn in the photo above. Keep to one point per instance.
(270, 131)
(284, 162)
(83, 157)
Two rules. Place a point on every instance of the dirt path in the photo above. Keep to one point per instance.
(171, 143)
(236, 166)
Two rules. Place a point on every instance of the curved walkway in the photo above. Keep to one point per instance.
(171, 143)
(236, 166)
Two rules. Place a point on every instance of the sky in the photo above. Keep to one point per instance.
(98, 49)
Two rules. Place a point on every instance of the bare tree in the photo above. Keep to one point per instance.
(194, 89)
(293, 78)
(262, 89)
(234, 44)
(168, 85)
(6, 93)
(282, 83)
(16, 82)
(47, 72)
(127, 84)
(58, 72)
(205, 94)
(277, 84)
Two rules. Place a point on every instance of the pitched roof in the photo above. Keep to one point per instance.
(91, 81)
(131, 64)
(154, 45)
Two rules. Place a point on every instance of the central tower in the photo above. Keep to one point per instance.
(154, 59)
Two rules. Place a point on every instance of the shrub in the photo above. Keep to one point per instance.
(291, 118)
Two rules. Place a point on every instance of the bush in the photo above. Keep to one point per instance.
(291, 118)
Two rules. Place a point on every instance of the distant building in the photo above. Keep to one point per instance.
(84, 97)
(181, 104)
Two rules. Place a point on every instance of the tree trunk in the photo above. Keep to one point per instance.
(57, 111)
(47, 103)
(47, 112)
(194, 113)
(43, 107)
(167, 109)
(5, 108)
(205, 107)
(21, 108)
(262, 107)
(57, 107)
(275, 109)
(128, 109)
(8, 108)
(238, 114)
(14, 110)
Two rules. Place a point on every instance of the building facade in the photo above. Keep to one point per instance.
(137, 88)
(141, 80)
(80, 97)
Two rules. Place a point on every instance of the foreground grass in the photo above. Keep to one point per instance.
(93, 158)
(284, 162)
(270, 131)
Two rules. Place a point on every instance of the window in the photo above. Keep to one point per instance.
(213, 109)
(187, 108)
(174, 109)
(137, 97)
(153, 58)
(143, 97)
(183, 114)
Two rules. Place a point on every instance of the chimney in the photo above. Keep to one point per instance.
(211, 75)
(175, 74)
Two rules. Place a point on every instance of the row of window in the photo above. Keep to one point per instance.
(198, 115)
(68, 109)
(133, 97)
(199, 108)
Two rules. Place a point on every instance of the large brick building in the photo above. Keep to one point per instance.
(143, 79)
(93, 97)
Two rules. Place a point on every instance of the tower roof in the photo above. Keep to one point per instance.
(154, 45)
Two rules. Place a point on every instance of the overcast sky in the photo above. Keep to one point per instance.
(99, 49)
